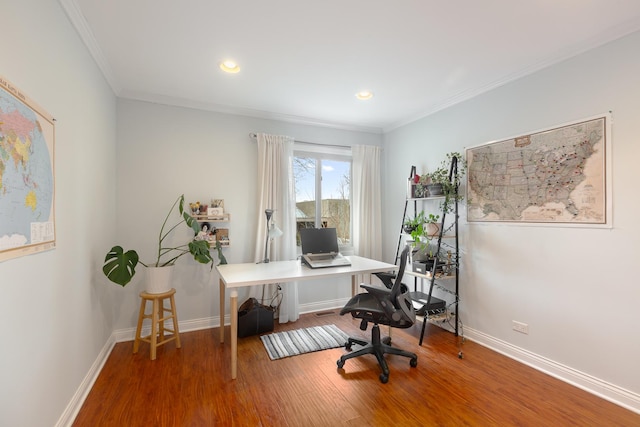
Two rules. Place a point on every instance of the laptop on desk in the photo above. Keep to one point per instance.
(320, 248)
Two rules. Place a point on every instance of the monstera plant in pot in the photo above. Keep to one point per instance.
(120, 266)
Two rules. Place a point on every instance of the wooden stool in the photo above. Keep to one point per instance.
(158, 329)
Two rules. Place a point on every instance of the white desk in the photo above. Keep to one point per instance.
(241, 275)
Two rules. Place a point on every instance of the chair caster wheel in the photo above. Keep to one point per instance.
(460, 355)
(413, 362)
(340, 364)
(384, 378)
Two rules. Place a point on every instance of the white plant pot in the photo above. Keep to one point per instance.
(433, 229)
(159, 279)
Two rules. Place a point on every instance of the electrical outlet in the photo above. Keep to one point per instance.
(523, 328)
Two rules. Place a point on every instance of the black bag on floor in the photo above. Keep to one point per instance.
(254, 318)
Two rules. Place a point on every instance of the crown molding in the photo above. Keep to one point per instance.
(247, 112)
(86, 35)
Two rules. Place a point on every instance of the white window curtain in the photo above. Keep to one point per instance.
(367, 209)
(276, 191)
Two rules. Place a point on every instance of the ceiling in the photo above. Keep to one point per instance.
(304, 61)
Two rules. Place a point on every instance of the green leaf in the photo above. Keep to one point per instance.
(120, 266)
(191, 222)
(181, 204)
(200, 251)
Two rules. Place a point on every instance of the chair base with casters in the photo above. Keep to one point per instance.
(379, 348)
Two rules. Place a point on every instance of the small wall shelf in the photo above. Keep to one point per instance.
(218, 218)
(216, 233)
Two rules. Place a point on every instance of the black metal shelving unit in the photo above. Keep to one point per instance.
(448, 205)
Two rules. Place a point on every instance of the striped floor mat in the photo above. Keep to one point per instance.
(300, 341)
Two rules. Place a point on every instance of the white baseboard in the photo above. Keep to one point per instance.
(618, 395)
(323, 306)
(72, 409)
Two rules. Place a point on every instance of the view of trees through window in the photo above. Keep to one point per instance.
(323, 193)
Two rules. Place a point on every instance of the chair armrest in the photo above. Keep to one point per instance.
(386, 278)
(377, 291)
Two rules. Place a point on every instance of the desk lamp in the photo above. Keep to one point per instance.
(272, 231)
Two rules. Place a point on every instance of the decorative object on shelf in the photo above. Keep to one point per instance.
(411, 183)
(416, 185)
(216, 209)
(120, 266)
(222, 236)
(426, 266)
(195, 208)
(215, 212)
(272, 231)
(218, 203)
(435, 189)
(432, 226)
(205, 232)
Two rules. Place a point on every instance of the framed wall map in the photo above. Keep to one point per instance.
(27, 219)
(554, 176)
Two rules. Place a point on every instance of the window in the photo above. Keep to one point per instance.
(323, 192)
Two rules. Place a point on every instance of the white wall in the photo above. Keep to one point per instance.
(165, 151)
(575, 287)
(55, 318)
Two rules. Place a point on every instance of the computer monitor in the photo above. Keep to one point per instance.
(319, 240)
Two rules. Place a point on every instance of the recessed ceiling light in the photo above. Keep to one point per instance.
(229, 67)
(364, 95)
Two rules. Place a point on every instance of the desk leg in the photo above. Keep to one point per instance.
(354, 285)
(221, 312)
(234, 334)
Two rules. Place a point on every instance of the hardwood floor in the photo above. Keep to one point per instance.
(192, 386)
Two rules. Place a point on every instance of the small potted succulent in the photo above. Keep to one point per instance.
(120, 266)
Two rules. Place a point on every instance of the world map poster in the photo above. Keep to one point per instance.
(27, 187)
(555, 176)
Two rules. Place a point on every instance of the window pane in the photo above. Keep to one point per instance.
(323, 190)
(336, 211)
(304, 174)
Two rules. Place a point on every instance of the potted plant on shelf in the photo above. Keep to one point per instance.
(120, 266)
(412, 224)
(441, 185)
(432, 226)
(422, 229)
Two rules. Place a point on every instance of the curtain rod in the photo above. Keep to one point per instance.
(255, 136)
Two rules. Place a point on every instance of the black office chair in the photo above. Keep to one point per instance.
(381, 306)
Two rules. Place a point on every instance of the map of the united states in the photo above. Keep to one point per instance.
(552, 176)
